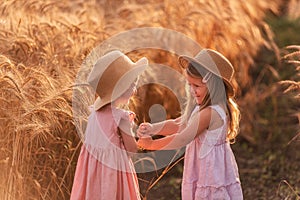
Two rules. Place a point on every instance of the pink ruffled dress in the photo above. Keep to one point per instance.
(104, 169)
(210, 169)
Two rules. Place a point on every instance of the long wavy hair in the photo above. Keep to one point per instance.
(217, 94)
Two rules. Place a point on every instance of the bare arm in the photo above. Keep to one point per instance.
(164, 128)
(198, 124)
(128, 136)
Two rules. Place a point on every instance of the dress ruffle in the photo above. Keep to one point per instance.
(226, 192)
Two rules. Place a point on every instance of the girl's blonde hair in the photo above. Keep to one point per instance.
(217, 94)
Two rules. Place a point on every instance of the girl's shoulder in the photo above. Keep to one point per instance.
(109, 112)
(219, 110)
(210, 110)
(218, 117)
(123, 114)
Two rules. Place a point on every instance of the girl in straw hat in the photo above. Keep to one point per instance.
(210, 122)
(104, 169)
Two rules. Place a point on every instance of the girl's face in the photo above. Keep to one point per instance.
(197, 88)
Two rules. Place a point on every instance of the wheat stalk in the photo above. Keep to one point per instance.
(43, 44)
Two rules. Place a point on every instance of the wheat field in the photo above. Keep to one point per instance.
(43, 45)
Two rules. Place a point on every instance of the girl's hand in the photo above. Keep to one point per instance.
(144, 142)
(144, 130)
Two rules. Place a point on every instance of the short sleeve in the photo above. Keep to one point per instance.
(125, 115)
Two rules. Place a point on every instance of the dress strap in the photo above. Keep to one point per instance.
(220, 111)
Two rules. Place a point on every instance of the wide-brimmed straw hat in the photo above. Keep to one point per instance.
(214, 62)
(112, 75)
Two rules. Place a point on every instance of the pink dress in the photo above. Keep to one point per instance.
(104, 169)
(210, 169)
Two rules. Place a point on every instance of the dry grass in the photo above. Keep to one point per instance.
(43, 44)
(293, 85)
(293, 58)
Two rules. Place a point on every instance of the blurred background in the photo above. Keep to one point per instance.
(43, 44)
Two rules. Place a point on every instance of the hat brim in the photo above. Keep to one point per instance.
(123, 85)
(185, 60)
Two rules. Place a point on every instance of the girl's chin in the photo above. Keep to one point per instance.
(198, 101)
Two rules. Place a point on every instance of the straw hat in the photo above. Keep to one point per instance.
(214, 62)
(112, 75)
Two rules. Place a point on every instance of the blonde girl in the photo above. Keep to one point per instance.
(209, 124)
(104, 168)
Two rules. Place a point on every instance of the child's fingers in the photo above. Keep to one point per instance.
(142, 128)
(141, 133)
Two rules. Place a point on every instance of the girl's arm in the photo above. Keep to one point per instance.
(164, 128)
(128, 136)
(199, 123)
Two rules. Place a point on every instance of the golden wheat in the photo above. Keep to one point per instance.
(294, 59)
(43, 44)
